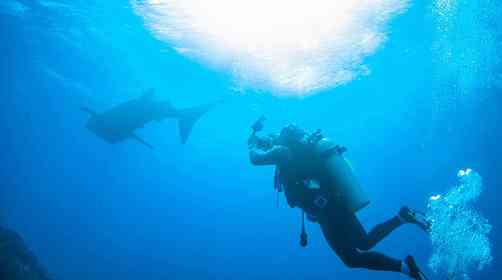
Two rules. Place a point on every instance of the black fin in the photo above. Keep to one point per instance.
(89, 111)
(415, 272)
(188, 118)
(422, 221)
(137, 138)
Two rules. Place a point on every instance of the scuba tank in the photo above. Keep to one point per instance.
(318, 159)
(337, 176)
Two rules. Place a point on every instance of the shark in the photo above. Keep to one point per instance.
(120, 122)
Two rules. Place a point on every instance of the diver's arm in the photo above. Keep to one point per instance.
(272, 156)
(259, 150)
(253, 140)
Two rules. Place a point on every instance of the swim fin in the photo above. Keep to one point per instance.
(415, 272)
(415, 217)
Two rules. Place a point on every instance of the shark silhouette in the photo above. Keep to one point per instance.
(120, 122)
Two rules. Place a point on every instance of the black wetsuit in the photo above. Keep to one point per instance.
(344, 232)
(341, 227)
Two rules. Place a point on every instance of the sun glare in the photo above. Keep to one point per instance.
(289, 47)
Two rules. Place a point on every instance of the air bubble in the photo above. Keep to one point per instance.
(459, 233)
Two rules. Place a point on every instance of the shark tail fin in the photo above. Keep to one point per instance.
(188, 118)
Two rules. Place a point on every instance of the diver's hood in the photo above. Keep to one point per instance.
(291, 134)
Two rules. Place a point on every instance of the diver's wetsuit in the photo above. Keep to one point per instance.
(348, 238)
(341, 227)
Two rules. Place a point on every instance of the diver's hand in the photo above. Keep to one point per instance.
(258, 124)
(274, 155)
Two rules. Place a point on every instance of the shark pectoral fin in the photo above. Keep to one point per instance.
(137, 138)
(89, 111)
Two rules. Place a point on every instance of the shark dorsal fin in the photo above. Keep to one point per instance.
(89, 111)
(139, 139)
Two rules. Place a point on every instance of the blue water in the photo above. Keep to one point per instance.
(91, 210)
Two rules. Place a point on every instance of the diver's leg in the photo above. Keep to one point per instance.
(380, 262)
(358, 235)
(346, 236)
(370, 260)
(345, 248)
(379, 232)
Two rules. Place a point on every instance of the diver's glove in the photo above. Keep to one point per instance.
(258, 124)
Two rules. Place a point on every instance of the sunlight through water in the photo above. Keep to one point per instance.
(465, 48)
(289, 47)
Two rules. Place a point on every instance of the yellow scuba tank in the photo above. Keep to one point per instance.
(337, 177)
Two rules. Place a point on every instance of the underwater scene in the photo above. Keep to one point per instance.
(243, 140)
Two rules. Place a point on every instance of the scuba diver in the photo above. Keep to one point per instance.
(316, 178)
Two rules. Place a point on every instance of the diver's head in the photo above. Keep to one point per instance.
(267, 141)
(290, 135)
